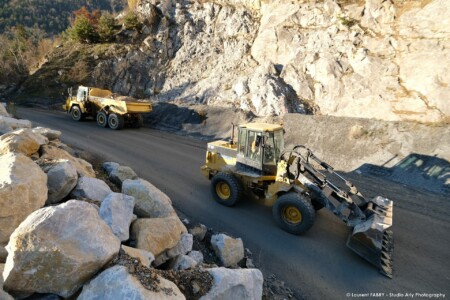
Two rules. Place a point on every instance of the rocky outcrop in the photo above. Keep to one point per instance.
(117, 211)
(91, 188)
(23, 189)
(62, 178)
(49, 152)
(229, 250)
(9, 124)
(117, 283)
(56, 249)
(157, 234)
(150, 201)
(235, 284)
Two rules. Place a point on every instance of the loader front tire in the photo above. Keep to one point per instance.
(115, 121)
(293, 213)
(76, 113)
(226, 188)
(102, 119)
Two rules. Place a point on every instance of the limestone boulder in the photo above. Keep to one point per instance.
(109, 166)
(183, 262)
(229, 250)
(183, 246)
(3, 295)
(150, 201)
(157, 235)
(3, 111)
(235, 284)
(23, 189)
(50, 134)
(199, 231)
(62, 179)
(121, 173)
(49, 152)
(197, 256)
(22, 141)
(145, 257)
(57, 249)
(15, 123)
(116, 283)
(117, 211)
(91, 188)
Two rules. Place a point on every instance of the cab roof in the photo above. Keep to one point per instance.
(261, 126)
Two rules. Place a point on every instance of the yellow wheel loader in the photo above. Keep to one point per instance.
(102, 106)
(296, 183)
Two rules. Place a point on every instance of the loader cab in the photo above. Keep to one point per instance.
(259, 148)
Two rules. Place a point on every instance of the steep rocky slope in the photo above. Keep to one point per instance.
(372, 59)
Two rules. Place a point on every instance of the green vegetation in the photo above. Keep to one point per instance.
(132, 22)
(51, 16)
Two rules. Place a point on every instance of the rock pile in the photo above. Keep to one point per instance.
(65, 233)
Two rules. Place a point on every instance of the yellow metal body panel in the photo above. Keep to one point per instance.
(96, 92)
(261, 126)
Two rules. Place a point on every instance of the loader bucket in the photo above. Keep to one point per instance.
(372, 239)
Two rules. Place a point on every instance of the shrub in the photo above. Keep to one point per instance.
(106, 28)
(131, 22)
(82, 30)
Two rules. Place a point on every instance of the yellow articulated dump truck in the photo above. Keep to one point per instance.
(105, 108)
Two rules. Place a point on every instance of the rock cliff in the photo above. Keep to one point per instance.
(371, 59)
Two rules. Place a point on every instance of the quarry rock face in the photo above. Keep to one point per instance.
(374, 59)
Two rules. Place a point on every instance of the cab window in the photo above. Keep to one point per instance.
(253, 148)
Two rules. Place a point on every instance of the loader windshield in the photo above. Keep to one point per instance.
(274, 144)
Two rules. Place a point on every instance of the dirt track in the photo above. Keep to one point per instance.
(316, 265)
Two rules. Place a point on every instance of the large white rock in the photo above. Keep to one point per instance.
(117, 211)
(3, 295)
(235, 284)
(183, 262)
(150, 201)
(15, 123)
(229, 250)
(116, 283)
(62, 179)
(91, 188)
(57, 249)
(51, 134)
(157, 235)
(22, 141)
(145, 257)
(50, 152)
(23, 189)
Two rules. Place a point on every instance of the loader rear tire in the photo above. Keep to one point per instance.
(138, 122)
(115, 121)
(293, 213)
(102, 119)
(76, 114)
(226, 188)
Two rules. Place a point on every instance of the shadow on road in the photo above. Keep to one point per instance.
(418, 171)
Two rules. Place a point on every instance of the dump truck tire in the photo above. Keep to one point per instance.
(115, 121)
(102, 119)
(294, 213)
(76, 114)
(226, 188)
